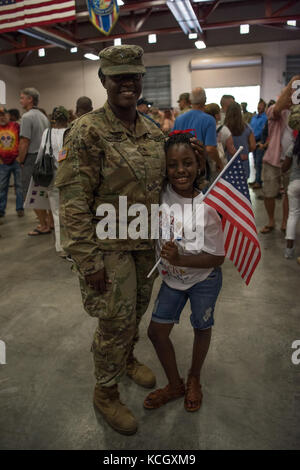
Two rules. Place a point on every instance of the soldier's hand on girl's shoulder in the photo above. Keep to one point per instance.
(98, 281)
(169, 251)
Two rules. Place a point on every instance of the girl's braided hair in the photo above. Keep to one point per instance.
(184, 139)
(177, 139)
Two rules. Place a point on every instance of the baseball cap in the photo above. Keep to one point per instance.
(184, 96)
(143, 101)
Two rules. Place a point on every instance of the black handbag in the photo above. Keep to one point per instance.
(44, 168)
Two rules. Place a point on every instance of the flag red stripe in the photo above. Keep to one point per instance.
(231, 219)
(230, 197)
(37, 15)
(233, 195)
(241, 263)
(31, 7)
(233, 208)
(51, 12)
(249, 261)
(240, 250)
(227, 241)
(234, 245)
(253, 268)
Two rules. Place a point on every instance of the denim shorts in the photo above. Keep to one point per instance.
(203, 296)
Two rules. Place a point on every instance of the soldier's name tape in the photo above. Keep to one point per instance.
(163, 221)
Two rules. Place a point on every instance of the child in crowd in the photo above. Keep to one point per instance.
(189, 270)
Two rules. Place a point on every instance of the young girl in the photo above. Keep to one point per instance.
(193, 274)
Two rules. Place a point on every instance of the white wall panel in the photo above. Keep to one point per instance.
(63, 83)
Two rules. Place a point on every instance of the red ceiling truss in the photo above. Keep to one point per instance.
(133, 19)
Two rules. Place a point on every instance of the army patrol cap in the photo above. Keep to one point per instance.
(117, 60)
(184, 96)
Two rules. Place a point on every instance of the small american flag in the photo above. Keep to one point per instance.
(19, 14)
(229, 195)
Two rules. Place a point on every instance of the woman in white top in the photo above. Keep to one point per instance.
(224, 137)
(59, 123)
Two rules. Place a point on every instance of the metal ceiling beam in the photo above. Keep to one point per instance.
(251, 21)
(26, 49)
(6, 37)
(134, 22)
(206, 27)
(69, 38)
(142, 20)
(285, 27)
(130, 35)
(23, 59)
(285, 7)
(211, 9)
(268, 7)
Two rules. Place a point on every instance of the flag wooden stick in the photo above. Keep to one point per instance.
(204, 196)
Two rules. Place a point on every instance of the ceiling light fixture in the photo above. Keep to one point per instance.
(42, 52)
(120, 3)
(184, 14)
(73, 49)
(200, 44)
(118, 42)
(91, 56)
(193, 36)
(291, 22)
(244, 29)
(152, 38)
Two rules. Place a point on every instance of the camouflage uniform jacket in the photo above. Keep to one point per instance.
(102, 161)
(184, 110)
(294, 119)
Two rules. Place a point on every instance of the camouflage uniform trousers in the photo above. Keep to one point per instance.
(119, 310)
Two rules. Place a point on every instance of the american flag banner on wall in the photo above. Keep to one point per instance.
(229, 195)
(20, 14)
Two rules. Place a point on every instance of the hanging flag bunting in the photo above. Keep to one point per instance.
(103, 14)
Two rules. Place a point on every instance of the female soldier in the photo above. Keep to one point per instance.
(110, 153)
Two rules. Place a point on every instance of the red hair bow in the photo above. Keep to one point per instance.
(186, 131)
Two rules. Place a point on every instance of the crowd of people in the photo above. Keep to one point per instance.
(103, 154)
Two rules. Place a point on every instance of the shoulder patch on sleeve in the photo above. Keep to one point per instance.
(62, 154)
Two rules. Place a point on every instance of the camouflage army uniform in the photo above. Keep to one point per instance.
(104, 160)
(294, 118)
(183, 111)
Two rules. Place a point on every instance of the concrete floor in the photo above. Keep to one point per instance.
(251, 388)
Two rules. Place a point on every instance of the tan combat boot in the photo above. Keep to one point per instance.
(140, 373)
(117, 415)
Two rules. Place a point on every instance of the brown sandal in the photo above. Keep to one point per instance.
(193, 393)
(161, 396)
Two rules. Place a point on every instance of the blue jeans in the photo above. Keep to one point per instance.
(203, 296)
(5, 172)
(258, 158)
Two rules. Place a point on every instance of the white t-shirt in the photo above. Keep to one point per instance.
(208, 222)
(223, 134)
(287, 139)
(57, 136)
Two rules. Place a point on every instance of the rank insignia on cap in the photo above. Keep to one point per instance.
(62, 154)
